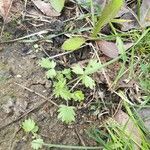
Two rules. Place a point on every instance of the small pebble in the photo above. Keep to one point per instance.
(18, 76)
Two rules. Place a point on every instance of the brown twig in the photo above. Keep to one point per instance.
(27, 36)
(80, 138)
(103, 70)
(22, 116)
(40, 95)
(32, 109)
(12, 138)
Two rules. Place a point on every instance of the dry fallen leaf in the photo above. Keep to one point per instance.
(102, 3)
(110, 49)
(10, 9)
(45, 8)
(130, 16)
(145, 13)
(131, 24)
(145, 113)
(5, 8)
(130, 129)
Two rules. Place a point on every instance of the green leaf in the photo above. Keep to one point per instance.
(58, 5)
(108, 13)
(37, 144)
(28, 125)
(73, 43)
(88, 81)
(92, 67)
(61, 89)
(67, 73)
(51, 73)
(46, 63)
(77, 69)
(78, 96)
(36, 128)
(66, 114)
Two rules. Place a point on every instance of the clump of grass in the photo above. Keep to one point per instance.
(115, 136)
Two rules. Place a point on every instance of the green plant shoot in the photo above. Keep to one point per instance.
(109, 12)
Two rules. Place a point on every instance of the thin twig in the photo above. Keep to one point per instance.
(80, 138)
(12, 138)
(27, 36)
(32, 109)
(22, 116)
(57, 55)
(103, 70)
(40, 95)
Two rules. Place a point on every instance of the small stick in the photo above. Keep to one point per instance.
(80, 138)
(14, 135)
(103, 70)
(24, 37)
(40, 95)
(57, 55)
(29, 110)
(25, 114)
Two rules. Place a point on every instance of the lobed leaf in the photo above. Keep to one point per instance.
(46, 63)
(92, 67)
(51, 73)
(88, 81)
(28, 125)
(78, 96)
(37, 143)
(66, 114)
(77, 69)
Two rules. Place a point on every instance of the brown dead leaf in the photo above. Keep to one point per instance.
(45, 8)
(131, 24)
(10, 9)
(102, 3)
(145, 13)
(129, 127)
(110, 49)
(145, 113)
(5, 8)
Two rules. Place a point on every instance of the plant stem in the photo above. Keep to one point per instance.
(70, 146)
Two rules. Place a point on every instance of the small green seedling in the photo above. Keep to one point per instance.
(37, 143)
(61, 89)
(78, 96)
(66, 113)
(29, 126)
(50, 65)
(84, 73)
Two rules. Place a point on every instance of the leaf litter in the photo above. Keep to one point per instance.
(46, 8)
